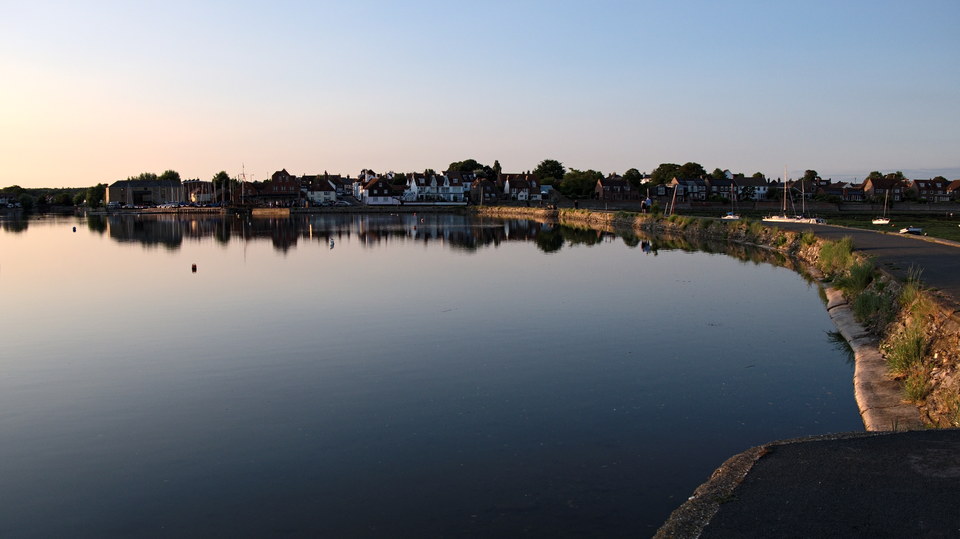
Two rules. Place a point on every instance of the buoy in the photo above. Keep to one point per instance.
(74, 229)
(194, 268)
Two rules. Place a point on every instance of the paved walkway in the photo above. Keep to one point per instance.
(904, 484)
(872, 485)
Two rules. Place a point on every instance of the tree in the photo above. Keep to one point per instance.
(550, 171)
(718, 174)
(496, 168)
(63, 199)
(691, 171)
(26, 201)
(634, 176)
(664, 173)
(875, 175)
(79, 199)
(759, 175)
(96, 195)
(468, 165)
(144, 176)
(580, 183)
(811, 176)
(170, 176)
(220, 179)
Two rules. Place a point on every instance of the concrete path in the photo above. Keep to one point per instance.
(855, 485)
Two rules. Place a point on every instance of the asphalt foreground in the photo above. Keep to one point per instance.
(863, 484)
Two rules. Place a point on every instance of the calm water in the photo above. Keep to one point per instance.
(387, 376)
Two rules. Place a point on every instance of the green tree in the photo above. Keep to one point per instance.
(96, 195)
(220, 179)
(580, 183)
(496, 168)
(550, 171)
(63, 199)
(26, 201)
(759, 175)
(144, 176)
(79, 198)
(875, 175)
(634, 176)
(469, 165)
(691, 171)
(718, 174)
(170, 175)
(664, 173)
(811, 176)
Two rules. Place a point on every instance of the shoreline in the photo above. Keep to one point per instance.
(879, 398)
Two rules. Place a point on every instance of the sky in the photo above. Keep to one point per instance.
(97, 91)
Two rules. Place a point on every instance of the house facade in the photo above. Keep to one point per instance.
(880, 188)
(934, 190)
(379, 192)
(615, 188)
(521, 187)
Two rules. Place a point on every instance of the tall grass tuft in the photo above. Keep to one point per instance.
(836, 256)
(808, 238)
(857, 279)
(906, 350)
(916, 385)
(866, 305)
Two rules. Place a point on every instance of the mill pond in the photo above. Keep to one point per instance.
(358, 375)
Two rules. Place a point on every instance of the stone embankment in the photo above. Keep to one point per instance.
(879, 397)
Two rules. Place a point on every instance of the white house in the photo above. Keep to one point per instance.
(379, 192)
(321, 191)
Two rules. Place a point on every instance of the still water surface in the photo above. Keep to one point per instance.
(387, 376)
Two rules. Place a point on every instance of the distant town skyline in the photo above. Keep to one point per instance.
(96, 92)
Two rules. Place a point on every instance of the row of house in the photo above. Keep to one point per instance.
(284, 190)
(741, 188)
(457, 188)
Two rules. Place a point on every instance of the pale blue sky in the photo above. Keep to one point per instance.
(98, 91)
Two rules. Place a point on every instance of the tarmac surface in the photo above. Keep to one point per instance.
(863, 484)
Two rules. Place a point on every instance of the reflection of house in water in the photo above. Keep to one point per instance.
(458, 231)
(163, 230)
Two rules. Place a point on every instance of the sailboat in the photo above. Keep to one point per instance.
(732, 215)
(883, 220)
(784, 218)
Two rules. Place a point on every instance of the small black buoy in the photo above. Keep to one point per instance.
(74, 229)
(194, 268)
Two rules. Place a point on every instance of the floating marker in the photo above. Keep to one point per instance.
(74, 229)
(194, 268)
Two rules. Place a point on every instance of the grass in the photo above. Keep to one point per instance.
(906, 350)
(836, 256)
(939, 226)
(857, 278)
(916, 385)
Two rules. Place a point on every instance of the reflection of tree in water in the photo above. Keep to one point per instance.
(466, 233)
(97, 223)
(15, 226)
